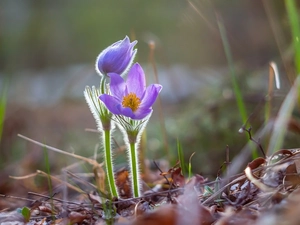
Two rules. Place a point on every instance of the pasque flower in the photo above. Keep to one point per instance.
(131, 103)
(116, 58)
(131, 98)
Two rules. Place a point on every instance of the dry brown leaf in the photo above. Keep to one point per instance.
(177, 177)
(294, 125)
(256, 163)
(76, 217)
(100, 177)
(123, 183)
(95, 199)
(166, 215)
(291, 178)
(46, 210)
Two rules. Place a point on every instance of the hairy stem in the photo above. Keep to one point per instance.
(109, 163)
(134, 170)
(102, 85)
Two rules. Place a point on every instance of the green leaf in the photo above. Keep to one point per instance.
(207, 191)
(26, 214)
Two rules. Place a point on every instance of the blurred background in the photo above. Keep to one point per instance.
(47, 55)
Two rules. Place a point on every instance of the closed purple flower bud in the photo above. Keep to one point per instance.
(116, 58)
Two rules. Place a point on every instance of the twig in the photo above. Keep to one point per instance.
(56, 199)
(256, 142)
(16, 197)
(162, 193)
(225, 163)
(170, 184)
(91, 161)
(161, 172)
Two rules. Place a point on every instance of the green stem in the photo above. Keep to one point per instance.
(102, 85)
(109, 163)
(106, 124)
(134, 170)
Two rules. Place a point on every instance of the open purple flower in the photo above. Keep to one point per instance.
(116, 58)
(131, 98)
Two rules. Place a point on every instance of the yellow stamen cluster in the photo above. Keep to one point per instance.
(131, 101)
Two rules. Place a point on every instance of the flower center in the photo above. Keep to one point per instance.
(131, 101)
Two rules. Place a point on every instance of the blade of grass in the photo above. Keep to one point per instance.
(279, 36)
(190, 165)
(273, 74)
(3, 101)
(292, 13)
(47, 165)
(284, 114)
(268, 105)
(236, 88)
(180, 156)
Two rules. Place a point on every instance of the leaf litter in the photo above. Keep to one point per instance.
(267, 192)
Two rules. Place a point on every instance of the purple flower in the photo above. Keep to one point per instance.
(131, 98)
(116, 58)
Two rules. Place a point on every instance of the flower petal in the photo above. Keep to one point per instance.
(111, 103)
(126, 111)
(136, 82)
(105, 59)
(129, 64)
(142, 113)
(150, 95)
(128, 55)
(117, 85)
